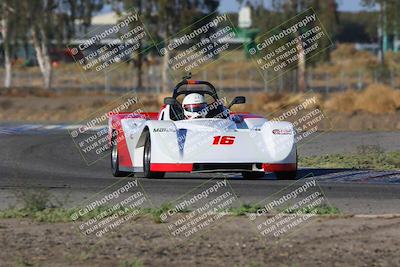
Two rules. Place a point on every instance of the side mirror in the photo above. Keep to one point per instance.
(237, 100)
(170, 101)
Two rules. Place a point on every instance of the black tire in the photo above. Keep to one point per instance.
(286, 175)
(115, 158)
(147, 160)
(253, 175)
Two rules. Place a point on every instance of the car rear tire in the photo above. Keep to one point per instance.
(286, 175)
(115, 158)
(147, 160)
(253, 175)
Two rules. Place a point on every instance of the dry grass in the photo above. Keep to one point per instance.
(345, 58)
(376, 99)
(376, 107)
(341, 102)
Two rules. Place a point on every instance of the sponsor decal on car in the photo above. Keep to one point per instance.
(163, 130)
(282, 131)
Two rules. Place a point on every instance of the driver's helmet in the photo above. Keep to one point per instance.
(194, 105)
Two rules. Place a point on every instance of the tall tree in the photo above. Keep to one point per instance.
(327, 11)
(8, 20)
(52, 20)
(389, 21)
(144, 9)
(171, 17)
(289, 9)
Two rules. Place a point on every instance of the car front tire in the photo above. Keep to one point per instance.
(147, 160)
(115, 158)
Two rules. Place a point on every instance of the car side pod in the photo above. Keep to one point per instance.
(280, 141)
(281, 146)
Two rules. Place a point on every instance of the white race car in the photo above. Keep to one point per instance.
(215, 140)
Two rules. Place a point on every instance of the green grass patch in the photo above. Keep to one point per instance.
(320, 210)
(155, 213)
(57, 215)
(365, 159)
(47, 215)
(131, 263)
(23, 262)
(244, 209)
(40, 206)
(54, 215)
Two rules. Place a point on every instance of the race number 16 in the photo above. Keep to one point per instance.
(223, 140)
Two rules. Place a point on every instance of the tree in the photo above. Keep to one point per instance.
(8, 21)
(164, 18)
(170, 17)
(289, 9)
(389, 21)
(51, 20)
(144, 10)
(327, 11)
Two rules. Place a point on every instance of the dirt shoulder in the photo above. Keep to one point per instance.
(233, 242)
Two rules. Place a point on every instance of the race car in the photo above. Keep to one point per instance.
(196, 132)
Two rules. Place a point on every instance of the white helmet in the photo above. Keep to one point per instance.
(193, 104)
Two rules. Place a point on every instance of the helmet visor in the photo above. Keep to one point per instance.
(195, 107)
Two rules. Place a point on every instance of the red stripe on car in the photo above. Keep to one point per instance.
(279, 167)
(123, 152)
(171, 167)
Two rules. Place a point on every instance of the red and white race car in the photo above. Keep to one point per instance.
(214, 140)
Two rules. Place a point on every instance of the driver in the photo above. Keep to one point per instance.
(194, 106)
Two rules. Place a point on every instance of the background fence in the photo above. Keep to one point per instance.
(240, 80)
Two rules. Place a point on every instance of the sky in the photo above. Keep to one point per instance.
(344, 5)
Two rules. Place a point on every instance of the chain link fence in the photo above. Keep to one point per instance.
(238, 80)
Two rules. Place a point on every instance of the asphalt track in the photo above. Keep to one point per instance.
(50, 160)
